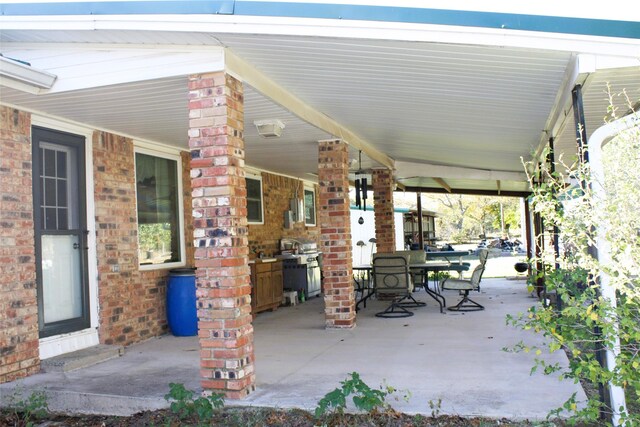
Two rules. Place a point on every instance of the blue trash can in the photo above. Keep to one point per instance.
(182, 315)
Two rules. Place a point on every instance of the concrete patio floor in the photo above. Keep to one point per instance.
(455, 357)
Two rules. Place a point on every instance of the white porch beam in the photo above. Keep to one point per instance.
(411, 169)
(443, 184)
(247, 73)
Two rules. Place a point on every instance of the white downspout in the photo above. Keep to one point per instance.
(597, 140)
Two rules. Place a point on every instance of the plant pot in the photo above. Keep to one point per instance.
(521, 267)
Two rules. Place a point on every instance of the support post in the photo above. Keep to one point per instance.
(221, 245)
(335, 234)
(420, 225)
(583, 156)
(551, 158)
(383, 209)
(527, 228)
(538, 227)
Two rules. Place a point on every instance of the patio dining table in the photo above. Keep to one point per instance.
(364, 283)
(453, 257)
(448, 255)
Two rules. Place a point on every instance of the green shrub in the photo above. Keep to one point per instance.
(184, 406)
(364, 397)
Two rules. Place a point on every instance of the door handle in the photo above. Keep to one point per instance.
(76, 246)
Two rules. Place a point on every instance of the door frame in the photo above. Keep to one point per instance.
(67, 342)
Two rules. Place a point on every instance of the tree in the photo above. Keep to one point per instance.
(464, 218)
(588, 318)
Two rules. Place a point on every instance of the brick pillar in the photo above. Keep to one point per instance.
(335, 234)
(383, 185)
(19, 355)
(221, 246)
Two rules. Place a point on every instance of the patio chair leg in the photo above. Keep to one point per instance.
(411, 304)
(394, 311)
(466, 304)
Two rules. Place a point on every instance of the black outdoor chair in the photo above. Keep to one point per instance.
(392, 280)
(465, 286)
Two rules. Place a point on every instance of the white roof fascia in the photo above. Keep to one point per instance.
(617, 9)
(316, 27)
(24, 77)
(117, 64)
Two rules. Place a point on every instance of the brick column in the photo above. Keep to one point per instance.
(335, 234)
(221, 247)
(383, 185)
(19, 355)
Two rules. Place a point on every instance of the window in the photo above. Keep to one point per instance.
(254, 200)
(159, 209)
(309, 207)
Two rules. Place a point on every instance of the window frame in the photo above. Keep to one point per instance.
(170, 155)
(315, 207)
(255, 177)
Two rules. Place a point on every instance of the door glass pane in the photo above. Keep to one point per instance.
(49, 191)
(49, 162)
(62, 193)
(50, 219)
(62, 164)
(63, 216)
(59, 188)
(61, 282)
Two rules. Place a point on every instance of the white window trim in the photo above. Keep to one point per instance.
(257, 178)
(165, 153)
(315, 207)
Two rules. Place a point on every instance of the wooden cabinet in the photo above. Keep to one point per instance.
(266, 286)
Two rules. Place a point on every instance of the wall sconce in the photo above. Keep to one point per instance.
(269, 128)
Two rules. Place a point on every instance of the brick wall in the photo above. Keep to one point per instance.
(18, 304)
(277, 191)
(383, 185)
(132, 302)
(335, 234)
(216, 128)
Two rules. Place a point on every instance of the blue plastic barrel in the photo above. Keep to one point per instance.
(181, 302)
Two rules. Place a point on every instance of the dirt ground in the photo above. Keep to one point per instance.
(248, 417)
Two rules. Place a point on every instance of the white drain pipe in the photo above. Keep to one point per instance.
(597, 140)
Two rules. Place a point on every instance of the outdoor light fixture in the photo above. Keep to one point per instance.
(14, 71)
(269, 128)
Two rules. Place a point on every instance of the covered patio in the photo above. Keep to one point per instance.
(456, 358)
(431, 105)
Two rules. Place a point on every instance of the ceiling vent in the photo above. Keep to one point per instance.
(269, 128)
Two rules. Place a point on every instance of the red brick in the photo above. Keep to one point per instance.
(383, 209)
(335, 234)
(132, 302)
(219, 202)
(17, 252)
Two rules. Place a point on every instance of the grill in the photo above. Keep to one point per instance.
(301, 264)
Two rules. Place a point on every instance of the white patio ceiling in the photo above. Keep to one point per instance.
(480, 107)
